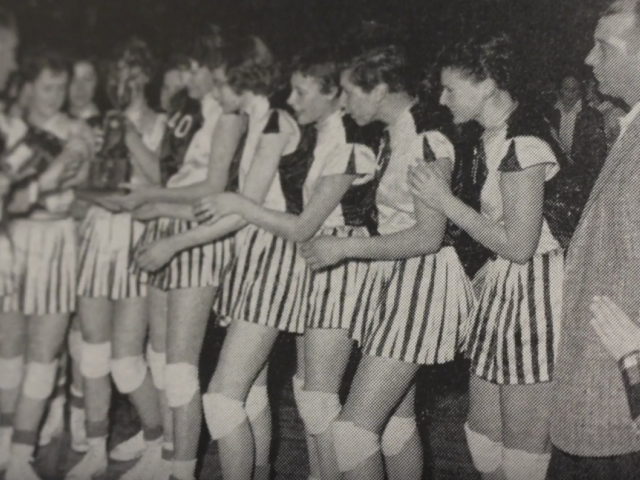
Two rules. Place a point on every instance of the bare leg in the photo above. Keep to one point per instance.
(158, 303)
(244, 354)
(13, 339)
(525, 418)
(189, 312)
(130, 327)
(46, 335)
(403, 455)
(485, 418)
(379, 386)
(327, 353)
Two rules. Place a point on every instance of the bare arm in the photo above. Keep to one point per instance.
(259, 180)
(224, 143)
(145, 159)
(522, 197)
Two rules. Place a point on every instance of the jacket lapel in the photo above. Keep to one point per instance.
(621, 153)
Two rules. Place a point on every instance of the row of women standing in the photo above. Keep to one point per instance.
(331, 228)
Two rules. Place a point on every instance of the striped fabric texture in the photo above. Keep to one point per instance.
(197, 267)
(423, 312)
(106, 244)
(45, 255)
(515, 329)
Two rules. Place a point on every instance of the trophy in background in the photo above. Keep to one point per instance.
(112, 166)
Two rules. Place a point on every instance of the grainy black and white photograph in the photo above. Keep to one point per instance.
(319, 240)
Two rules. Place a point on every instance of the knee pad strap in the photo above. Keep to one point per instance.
(257, 401)
(11, 372)
(222, 414)
(318, 410)
(128, 373)
(520, 465)
(486, 454)
(95, 359)
(157, 363)
(353, 445)
(39, 380)
(181, 383)
(396, 434)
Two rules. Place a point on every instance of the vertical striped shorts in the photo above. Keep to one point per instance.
(334, 292)
(201, 266)
(45, 254)
(423, 312)
(106, 244)
(515, 328)
(267, 284)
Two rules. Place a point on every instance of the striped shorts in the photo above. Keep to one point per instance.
(201, 266)
(334, 292)
(106, 244)
(423, 312)
(267, 284)
(45, 254)
(515, 328)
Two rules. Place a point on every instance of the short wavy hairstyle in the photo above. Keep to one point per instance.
(43, 58)
(321, 64)
(135, 52)
(250, 67)
(387, 65)
(481, 59)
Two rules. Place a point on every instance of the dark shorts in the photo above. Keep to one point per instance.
(570, 467)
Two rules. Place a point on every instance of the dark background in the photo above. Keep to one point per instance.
(555, 35)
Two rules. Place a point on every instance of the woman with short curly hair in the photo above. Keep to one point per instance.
(513, 332)
(424, 297)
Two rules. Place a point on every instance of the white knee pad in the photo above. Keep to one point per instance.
(486, 454)
(39, 380)
(95, 359)
(222, 414)
(257, 402)
(520, 465)
(181, 383)
(157, 363)
(75, 345)
(128, 373)
(353, 445)
(396, 434)
(318, 410)
(11, 372)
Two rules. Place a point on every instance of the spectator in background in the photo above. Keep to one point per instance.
(580, 128)
(610, 111)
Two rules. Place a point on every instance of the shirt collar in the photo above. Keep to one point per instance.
(629, 118)
(333, 120)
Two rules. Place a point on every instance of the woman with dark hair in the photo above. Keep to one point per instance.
(111, 304)
(423, 305)
(514, 329)
(201, 155)
(327, 187)
(241, 84)
(45, 247)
